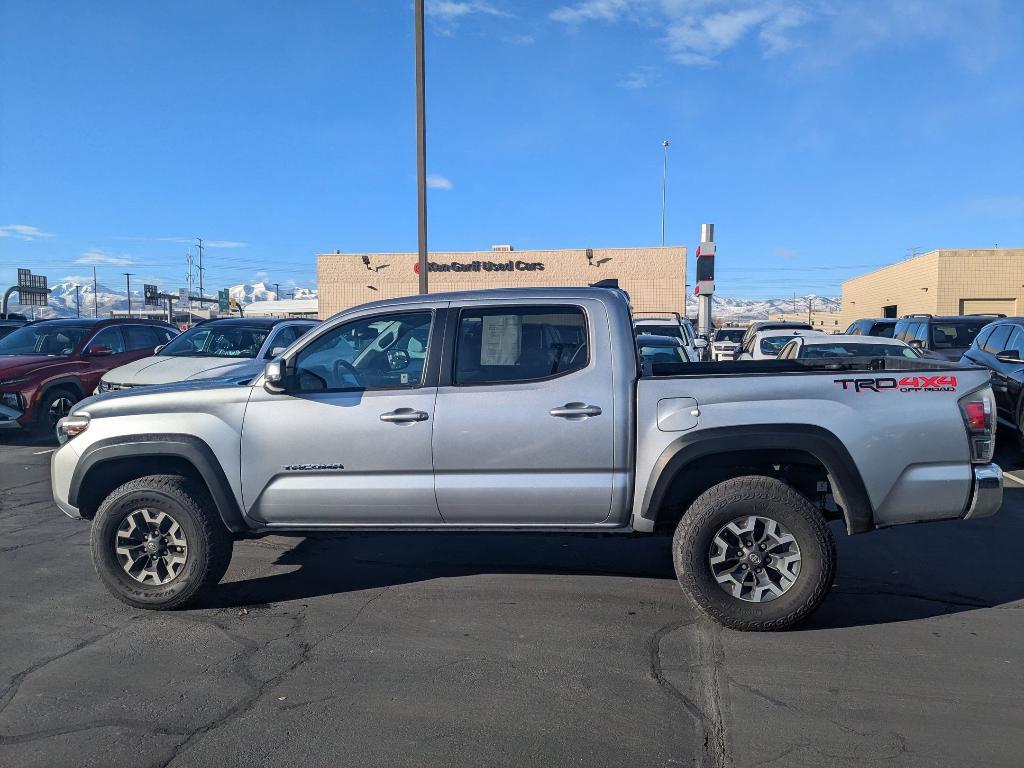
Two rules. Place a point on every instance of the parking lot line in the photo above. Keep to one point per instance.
(1013, 478)
(40, 453)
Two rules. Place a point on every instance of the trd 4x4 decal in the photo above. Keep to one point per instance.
(906, 384)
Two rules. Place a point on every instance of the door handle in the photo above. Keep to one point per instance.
(575, 411)
(404, 415)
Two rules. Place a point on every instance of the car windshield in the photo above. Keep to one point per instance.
(217, 341)
(663, 354)
(729, 334)
(953, 334)
(771, 345)
(50, 340)
(844, 349)
(884, 330)
(673, 330)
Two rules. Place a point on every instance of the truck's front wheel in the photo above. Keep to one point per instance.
(157, 542)
(754, 554)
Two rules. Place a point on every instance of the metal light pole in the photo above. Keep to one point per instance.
(78, 303)
(421, 146)
(128, 286)
(95, 304)
(664, 188)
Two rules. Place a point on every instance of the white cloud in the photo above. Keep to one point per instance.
(447, 13)
(639, 78)
(818, 32)
(97, 256)
(786, 253)
(223, 244)
(437, 181)
(23, 232)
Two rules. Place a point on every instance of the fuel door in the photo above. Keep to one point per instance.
(677, 414)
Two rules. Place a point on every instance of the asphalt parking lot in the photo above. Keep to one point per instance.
(453, 649)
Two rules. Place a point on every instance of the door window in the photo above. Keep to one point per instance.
(140, 337)
(378, 352)
(982, 338)
(513, 344)
(996, 343)
(1016, 341)
(109, 337)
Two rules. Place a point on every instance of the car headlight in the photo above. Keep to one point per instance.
(11, 400)
(8, 382)
(72, 426)
(105, 386)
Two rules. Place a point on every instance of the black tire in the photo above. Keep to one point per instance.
(46, 425)
(209, 544)
(767, 497)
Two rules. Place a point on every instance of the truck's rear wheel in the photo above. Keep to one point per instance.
(754, 554)
(157, 542)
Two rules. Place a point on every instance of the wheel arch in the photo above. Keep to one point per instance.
(695, 462)
(108, 463)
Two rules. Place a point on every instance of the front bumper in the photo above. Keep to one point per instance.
(62, 468)
(9, 417)
(987, 494)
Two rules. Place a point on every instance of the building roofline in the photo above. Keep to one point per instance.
(511, 254)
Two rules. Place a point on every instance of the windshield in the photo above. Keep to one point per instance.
(855, 350)
(959, 333)
(729, 334)
(663, 354)
(675, 331)
(214, 341)
(50, 340)
(771, 345)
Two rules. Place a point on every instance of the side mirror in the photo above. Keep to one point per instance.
(274, 373)
(156, 351)
(700, 343)
(398, 360)
(99, 351)
(916, 344)
(1009, 356)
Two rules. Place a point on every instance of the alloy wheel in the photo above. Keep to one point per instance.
(754, 558)
(151, 546)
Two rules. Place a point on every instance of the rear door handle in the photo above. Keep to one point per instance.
(575, 411)
(403, 415)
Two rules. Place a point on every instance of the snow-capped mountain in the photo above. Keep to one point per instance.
(62, 298)
(737, 309)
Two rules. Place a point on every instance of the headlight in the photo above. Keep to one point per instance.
(11, 400)
(19, 380)
(71, 426)
(105, 386)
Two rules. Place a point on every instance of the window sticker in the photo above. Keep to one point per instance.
(502, 339)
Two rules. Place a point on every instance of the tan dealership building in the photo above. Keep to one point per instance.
(942, 282)
(655, 278)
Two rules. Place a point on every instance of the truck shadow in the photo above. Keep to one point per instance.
(903, 574)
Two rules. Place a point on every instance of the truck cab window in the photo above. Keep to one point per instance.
(510, 344)
(378, 352)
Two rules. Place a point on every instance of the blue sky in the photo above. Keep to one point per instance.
(822, 137)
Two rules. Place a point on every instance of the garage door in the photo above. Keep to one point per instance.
(988, 307)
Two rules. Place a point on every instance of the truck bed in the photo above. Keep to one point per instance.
(847, 364)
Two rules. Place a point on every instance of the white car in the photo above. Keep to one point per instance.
(845, 345)
(672, 324)
(725, 343)
(228, 348)
(766, 345)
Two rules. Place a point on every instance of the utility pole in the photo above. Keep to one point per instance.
(810, 308)
(78, 303)
(95, 305)
(421, 145)
(277, 291)
(128, 285)
(202, 295)
(664, 188)
(188, 257)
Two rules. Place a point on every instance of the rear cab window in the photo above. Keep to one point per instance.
(953, 334)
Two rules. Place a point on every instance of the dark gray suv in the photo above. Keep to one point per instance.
(941, 336)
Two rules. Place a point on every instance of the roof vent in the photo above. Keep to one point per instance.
(503, 248)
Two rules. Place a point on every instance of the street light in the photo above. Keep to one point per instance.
(421, 145)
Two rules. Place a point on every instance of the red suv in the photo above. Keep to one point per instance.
(48, 366)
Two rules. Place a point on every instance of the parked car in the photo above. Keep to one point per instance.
(9, 324)
(844, 346)
(661, 349)
(872, 326)
(999, 346)
(725, 343)
(231, 347)
(49, 365)
(945, 337)
(766, 344)
(528, 412)
(672, 324)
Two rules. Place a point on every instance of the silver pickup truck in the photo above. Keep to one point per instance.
(524, 410)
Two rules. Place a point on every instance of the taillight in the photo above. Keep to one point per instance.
(976, 410)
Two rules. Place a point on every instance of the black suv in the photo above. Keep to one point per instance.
(946, 337)
(1000, 348)
(872, 326)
